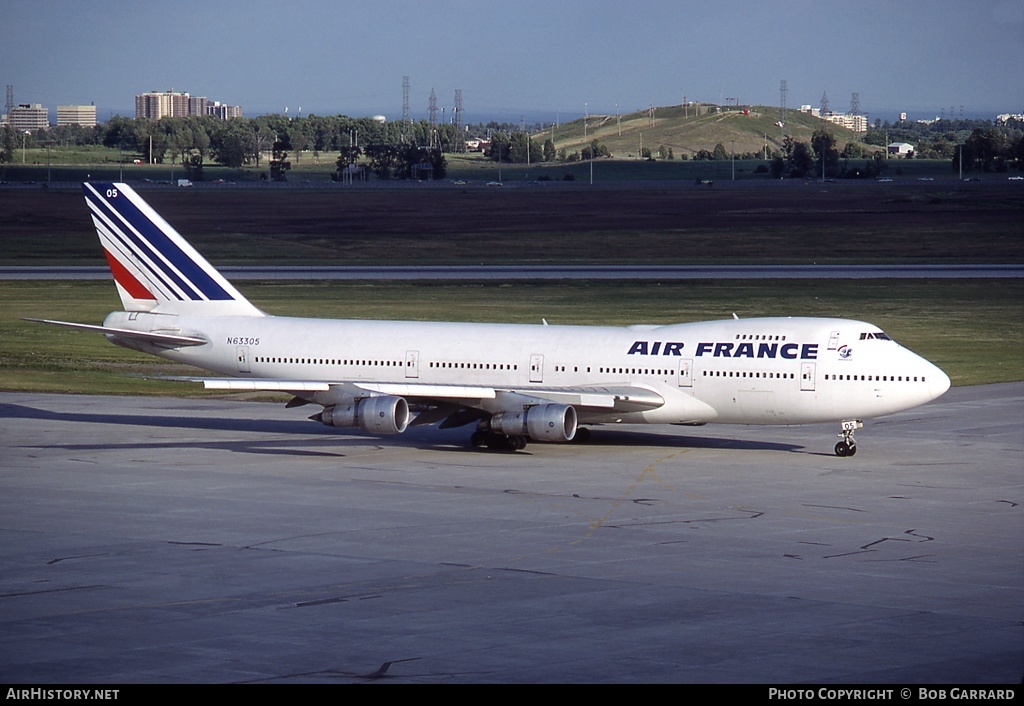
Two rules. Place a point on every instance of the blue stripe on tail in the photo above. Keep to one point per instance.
(153, 242)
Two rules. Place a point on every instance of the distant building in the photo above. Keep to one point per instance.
(76, 115)
(901, 149)
(857, 123)
(155, 105)
(28, 117)
(170, 104)
(224, 112)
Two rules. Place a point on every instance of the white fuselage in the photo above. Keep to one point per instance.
(739, 371)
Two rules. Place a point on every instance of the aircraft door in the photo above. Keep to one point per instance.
(536, 368)
(242, 356)
(807, 377)
(686, 373)
(412, 364)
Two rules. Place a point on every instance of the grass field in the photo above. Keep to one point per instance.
(973, 329)
(681, 224)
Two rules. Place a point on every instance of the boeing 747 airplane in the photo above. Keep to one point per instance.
(514, 382)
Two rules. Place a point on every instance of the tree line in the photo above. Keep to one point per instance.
(196, 140)
(985, 146)
(411, 149)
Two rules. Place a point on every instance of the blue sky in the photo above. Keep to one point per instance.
(518, 57)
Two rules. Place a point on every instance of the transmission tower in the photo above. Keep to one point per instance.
(855, 104)
(405, 107)
(824, 104)
(405, 99)
(460, 141)
(783, 92)
(432, 117)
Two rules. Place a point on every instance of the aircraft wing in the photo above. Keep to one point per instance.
(623, 398)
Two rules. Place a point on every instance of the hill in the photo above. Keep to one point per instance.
(688, 130)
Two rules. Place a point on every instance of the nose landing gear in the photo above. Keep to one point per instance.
(848, 445)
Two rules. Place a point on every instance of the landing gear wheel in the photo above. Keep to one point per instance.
(497, 442)
(844, 448)
(848, 445)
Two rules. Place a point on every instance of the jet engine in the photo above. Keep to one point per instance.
(375, 415)
(548, 422)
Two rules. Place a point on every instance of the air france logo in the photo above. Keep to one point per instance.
(729, 349)
(845, 352)
(656, 348)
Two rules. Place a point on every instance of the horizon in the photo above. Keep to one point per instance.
(542, 117)
(529, 57)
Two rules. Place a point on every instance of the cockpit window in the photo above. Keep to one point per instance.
(878, 335)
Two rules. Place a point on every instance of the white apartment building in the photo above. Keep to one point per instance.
(28, 117)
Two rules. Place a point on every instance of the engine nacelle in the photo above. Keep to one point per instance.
(374, 415)
(548, 422)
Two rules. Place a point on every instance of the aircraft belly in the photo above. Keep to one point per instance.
(760, 405)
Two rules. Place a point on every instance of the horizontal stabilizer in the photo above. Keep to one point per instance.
(166, 339)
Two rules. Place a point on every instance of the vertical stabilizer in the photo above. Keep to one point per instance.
(154, 267)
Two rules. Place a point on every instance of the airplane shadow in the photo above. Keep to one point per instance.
(309, 439)
(625, 439)
(302, 432)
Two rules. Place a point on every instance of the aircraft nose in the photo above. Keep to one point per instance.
(938, 382)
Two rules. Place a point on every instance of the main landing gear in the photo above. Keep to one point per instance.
(848, 445)
(501, 442)
(497, 442)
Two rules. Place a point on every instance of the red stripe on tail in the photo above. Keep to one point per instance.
(127, 280)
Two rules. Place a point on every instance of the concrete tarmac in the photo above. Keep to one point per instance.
(207, 541)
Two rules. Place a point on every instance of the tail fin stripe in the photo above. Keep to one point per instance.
(150, 238)
(129, 249)
(133, 264)
(126, 279)
(150, 261)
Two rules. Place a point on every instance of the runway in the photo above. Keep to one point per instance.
(210, 541)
